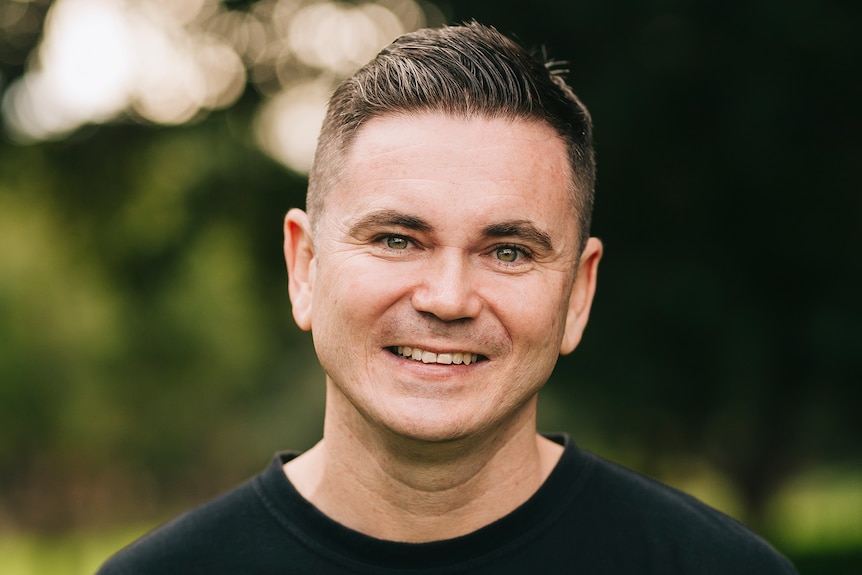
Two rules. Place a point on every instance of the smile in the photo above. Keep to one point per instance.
(417, 354)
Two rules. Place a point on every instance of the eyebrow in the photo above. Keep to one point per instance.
(389, 218)
(521, 229)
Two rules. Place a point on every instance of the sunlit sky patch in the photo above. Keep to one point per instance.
(171, 61)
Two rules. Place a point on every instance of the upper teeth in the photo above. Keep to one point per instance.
(430, 357)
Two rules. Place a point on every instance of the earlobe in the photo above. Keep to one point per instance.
(299, 257)
(581, 300)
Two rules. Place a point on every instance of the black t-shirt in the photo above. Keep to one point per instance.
(590, 516)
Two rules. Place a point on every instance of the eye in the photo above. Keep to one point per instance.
(396, 242)
(509, 254)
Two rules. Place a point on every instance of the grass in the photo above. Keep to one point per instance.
(65, 554)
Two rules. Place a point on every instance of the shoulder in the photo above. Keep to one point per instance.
(198, 540)
(668, 527)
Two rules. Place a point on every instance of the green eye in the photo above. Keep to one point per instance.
(507, 254)
(396, 243)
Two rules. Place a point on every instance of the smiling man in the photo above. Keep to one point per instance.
(444, 265)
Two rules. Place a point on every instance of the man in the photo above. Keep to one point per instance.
(444, 264)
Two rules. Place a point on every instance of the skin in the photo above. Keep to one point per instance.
(452, 236)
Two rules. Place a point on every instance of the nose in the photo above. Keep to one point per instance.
(447, 287)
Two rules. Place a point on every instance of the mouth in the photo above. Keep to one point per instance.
(425, 356)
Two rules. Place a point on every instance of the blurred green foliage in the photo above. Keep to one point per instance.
(146, 331)
(148, 358)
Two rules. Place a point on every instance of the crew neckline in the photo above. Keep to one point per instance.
(358, 551)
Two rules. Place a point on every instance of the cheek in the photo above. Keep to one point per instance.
(536, 327)
(532, 312)
(353, 295)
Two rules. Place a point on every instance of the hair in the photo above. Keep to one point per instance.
(464, 71)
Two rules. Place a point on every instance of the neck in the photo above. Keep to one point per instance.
(401, 489)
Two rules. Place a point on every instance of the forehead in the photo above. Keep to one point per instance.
(417, 140)
(482, 167)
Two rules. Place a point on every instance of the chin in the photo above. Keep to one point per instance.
(432, 435)
(429, 425)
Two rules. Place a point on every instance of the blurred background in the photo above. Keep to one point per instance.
(150, 149)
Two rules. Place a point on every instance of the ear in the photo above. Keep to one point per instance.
(299, 257)
(581, 300)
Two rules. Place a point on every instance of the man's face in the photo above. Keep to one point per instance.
(441, 284)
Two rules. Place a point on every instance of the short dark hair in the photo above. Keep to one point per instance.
(465, 71)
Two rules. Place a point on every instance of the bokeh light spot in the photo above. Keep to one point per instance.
(173, 61)
(287, 125)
